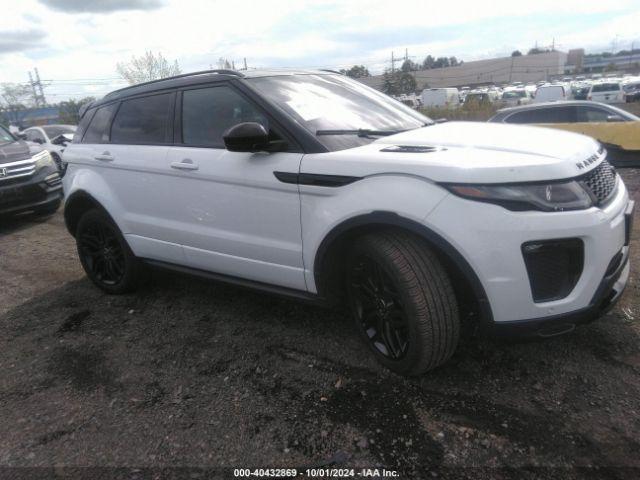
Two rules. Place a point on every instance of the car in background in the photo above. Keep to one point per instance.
(550, 93)
(480, 97)
(616, 129)
(512, 97)
(632, 92)
(440, 97)
(29, 181)
(580, 92)
(53, 138)
(606, 92)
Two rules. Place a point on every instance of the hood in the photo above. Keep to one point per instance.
(469, 152)
(14, 151)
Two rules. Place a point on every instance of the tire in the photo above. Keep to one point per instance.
(402, 301)
(104, 254)
(49, 209)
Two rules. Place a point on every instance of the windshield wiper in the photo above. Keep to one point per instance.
(361, 132)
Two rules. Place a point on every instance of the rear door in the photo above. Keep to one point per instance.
(228, 210)
(132, 160)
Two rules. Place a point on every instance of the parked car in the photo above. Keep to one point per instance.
(479, 97)
(440, 97)
(515, 96)
(549, 93)
(606, 92)
(314, 185)
(580, 92)
(53, 138)
(632, 92)
(28, 181)
(616, 129)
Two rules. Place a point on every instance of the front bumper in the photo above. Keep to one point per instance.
(19, 195)
(490, 239)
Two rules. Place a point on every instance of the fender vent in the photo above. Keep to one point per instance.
(412, 149)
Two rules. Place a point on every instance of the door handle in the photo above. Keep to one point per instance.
(105, 157)
(186, 164)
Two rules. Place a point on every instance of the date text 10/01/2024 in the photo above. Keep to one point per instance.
(315, 473)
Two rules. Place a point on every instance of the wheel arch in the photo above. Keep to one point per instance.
(328, 270)
(76, 205)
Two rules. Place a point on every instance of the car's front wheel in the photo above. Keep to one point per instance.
(105, 256)
(402, 301)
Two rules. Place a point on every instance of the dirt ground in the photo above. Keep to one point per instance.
(190, 373)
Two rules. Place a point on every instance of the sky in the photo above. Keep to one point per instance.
(76, 44)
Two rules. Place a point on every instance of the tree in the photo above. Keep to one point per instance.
(395, 83)
(406, 83)
(516, 53)
(409, 66)
(70, 110)
(147, 67)
(357, 71)
(428, 62)
(14, 97)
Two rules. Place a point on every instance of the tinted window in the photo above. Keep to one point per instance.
(82, 126)
(209, 112)
(605, 87)
(143, 120)
(98, 131)
(591, 114)
(544, 115)
(33, 135)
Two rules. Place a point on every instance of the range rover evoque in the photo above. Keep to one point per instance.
(29, 179)
(313, 185)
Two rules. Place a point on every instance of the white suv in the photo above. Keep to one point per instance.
(313, 185)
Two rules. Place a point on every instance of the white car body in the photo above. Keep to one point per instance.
(220, 211)
(440, 97)
(39, 136)
(606, 92)
(550, 93)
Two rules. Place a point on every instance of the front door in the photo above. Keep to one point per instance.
(228, 210)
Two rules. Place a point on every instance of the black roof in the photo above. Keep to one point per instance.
(194, 78)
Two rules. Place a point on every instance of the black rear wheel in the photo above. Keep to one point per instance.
(402, 301)
(104, 254)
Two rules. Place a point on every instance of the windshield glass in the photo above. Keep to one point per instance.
(605, 87)
(514, 94)
(5, 136)
(53, 131)
(335, 102)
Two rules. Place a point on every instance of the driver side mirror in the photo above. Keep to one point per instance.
(246, 137)
(614, 118)
(38, 140)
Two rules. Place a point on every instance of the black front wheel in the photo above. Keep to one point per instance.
(403, 302)
(105, 256)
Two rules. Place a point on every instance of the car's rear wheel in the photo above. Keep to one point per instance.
(105, 256)
(402, 301)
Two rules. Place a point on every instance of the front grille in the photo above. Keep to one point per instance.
(601, 181)
(13, 170)
(554, 267)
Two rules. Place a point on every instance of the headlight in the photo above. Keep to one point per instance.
(549, 197)
(43, 159)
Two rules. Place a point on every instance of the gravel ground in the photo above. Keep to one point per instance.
(190, 373)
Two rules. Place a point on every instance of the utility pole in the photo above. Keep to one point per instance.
(393, 62)
(38, 91)
(245, 63)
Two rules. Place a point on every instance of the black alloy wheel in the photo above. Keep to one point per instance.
(102, 253)
(378, 308)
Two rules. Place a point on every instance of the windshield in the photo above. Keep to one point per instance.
(606, 87)
(53, 131)
(514, 94)
(5, 136)
(334, 103)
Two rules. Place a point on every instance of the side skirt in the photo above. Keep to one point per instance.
(242, 282)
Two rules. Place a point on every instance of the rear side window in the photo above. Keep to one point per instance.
(544, 115)
(98, 130)
(82, 126)
(208, 112)
(145, 120)
(591, 114)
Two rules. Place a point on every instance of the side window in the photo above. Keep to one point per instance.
(98, 130)
(37, 136)
(82, 126)
(544, 115)
(143, 120)
(209, 112)
(591, 114)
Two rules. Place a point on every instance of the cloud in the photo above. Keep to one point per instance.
(18, 41)
(102, 6)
